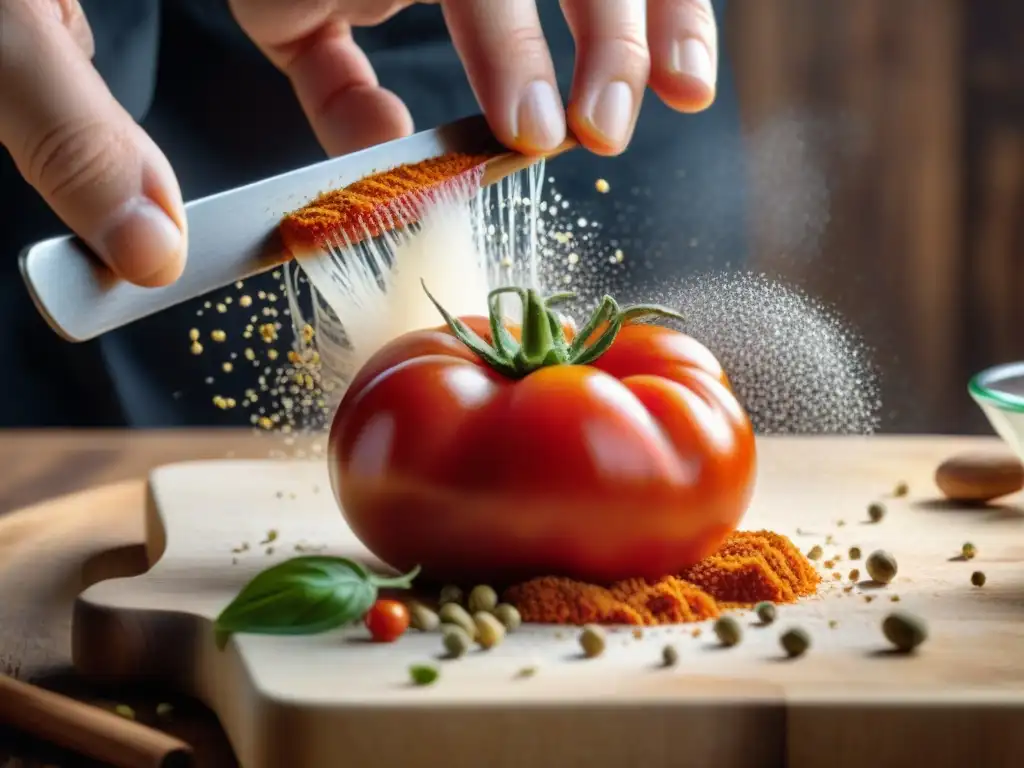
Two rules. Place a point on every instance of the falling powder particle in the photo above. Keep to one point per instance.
(792, 362)
(795, 366)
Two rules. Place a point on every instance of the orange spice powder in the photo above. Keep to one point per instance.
(752, 566)
(375, 204)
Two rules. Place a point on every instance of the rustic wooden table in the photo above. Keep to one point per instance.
(36, 598)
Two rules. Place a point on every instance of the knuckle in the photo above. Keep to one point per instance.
(700, 14)
(631, 51)
(525, 41)
(77, 155)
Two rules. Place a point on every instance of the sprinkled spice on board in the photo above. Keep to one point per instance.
(751, 567)
(881, 566)
(795, 642)
(876, 511)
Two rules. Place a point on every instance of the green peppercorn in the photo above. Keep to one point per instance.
(423, 674)
(482, 598)
(592, 641)
(901, 489)
(456, 640)
(669, 656)
(876, 511)
(453, 613)
(450, 594)
(489, 631)
(904, 631)
(978, 579)
(422, 618)
(854, 553)
(765, 612)
(881, 566)
(509, 616)
(795, 642)
(728, 631)
(968, 551)
(815, 553)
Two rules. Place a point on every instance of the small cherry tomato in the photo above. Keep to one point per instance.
(387, 620)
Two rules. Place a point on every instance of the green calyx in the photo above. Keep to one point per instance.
(543, 341)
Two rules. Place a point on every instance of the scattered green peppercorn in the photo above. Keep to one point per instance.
(509, 616)
(450, 594)
(125, 711)
(482, 598)
(904, 631)
(456, 640)
(876, 511)
(901, 489)
(669, 656)
(978, 579)
(489, 631)
(424, 674)
(728, 631)
(881, 566)
(526, 672)
(968, 551)
(854, 553)
(765, 612)
(815, 553)
(592, 640)
(422, 618)
(453, 613)
(795, 642)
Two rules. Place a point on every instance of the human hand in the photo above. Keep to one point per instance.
(111, 184)
(72, 141)
(622, 47)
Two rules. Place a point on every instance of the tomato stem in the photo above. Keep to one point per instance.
(542, 340)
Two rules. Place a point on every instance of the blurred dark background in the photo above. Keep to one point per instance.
(870, 153)
(914, 113)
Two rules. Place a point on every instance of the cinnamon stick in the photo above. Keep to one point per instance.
(88, 730)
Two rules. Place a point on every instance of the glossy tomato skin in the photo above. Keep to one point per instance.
(387, 620)
(636, 466)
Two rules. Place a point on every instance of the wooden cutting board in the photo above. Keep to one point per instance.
(336, 699)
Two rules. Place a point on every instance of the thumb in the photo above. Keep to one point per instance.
(71, 140)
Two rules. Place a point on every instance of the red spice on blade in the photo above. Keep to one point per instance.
(379, 203)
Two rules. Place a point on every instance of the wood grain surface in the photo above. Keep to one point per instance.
(50, 539)
(53, 549)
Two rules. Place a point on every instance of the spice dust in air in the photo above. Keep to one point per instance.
(796, 366)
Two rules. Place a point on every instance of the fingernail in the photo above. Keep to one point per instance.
(539, 118)
(611, 113)
(690, 57)
(142, 245)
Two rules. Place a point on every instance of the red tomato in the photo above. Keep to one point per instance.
(637, 465)
(387, 620)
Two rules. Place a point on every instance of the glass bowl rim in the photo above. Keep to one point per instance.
(980, 386)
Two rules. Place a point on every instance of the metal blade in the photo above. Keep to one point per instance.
(232, 236)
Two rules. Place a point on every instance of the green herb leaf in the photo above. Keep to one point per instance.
(423, 674)
(304, 596)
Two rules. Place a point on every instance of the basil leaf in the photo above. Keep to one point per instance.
(301, 596)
